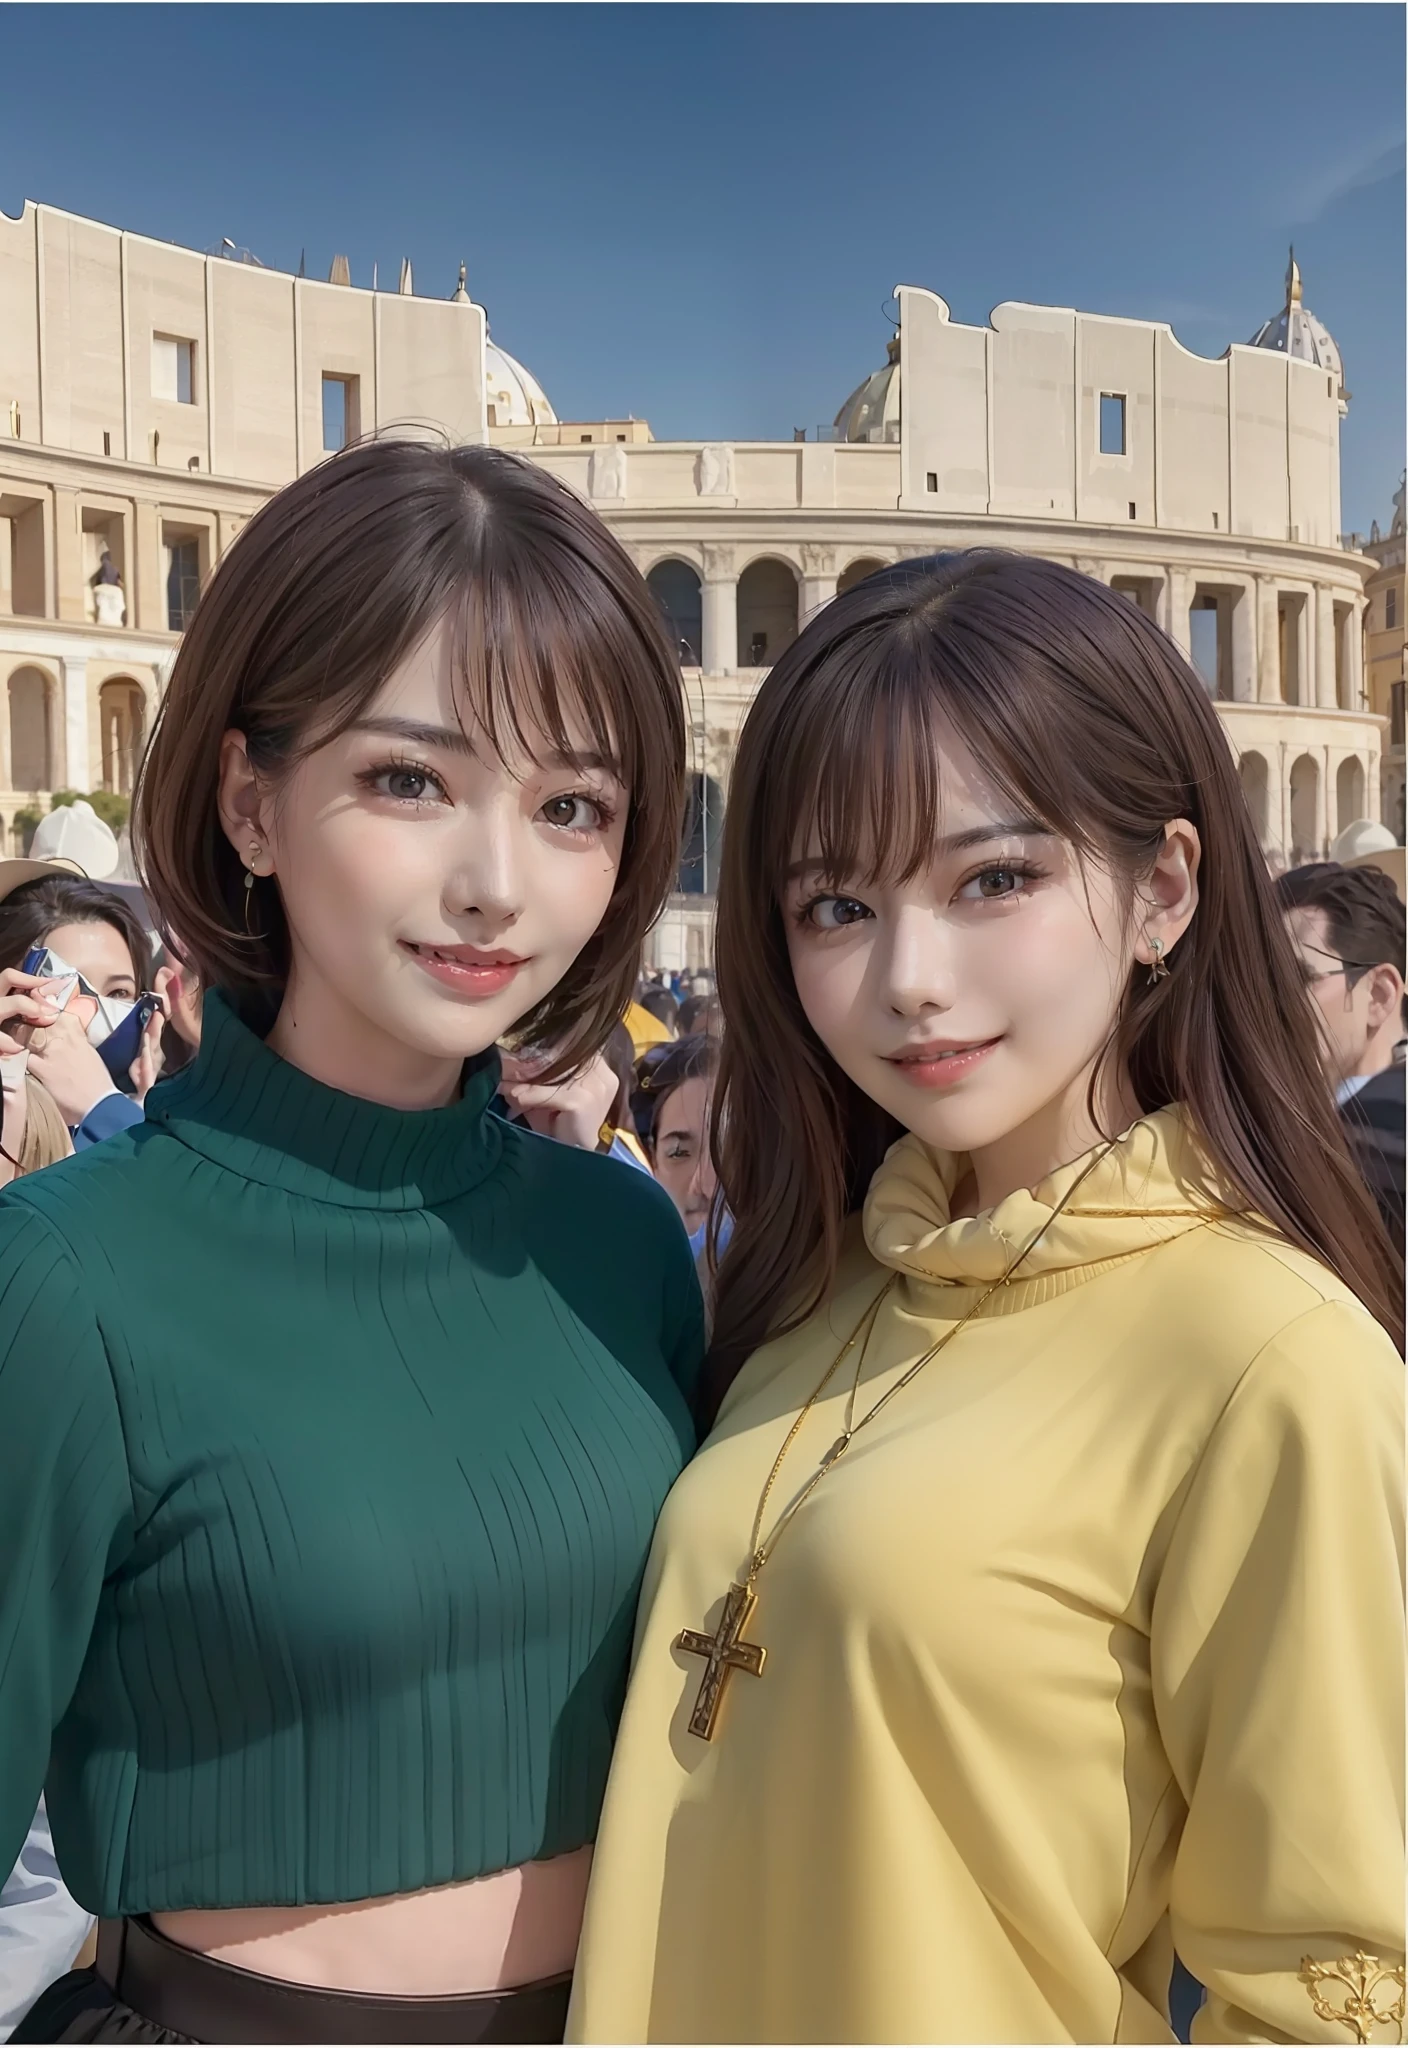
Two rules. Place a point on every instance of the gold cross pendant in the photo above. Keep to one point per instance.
(724, 1652)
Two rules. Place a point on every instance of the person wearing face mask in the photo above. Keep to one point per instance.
(1347, 926)
(51, 905)
(319, 1557)
(1034, 1610)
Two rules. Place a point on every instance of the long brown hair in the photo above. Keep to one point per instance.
(326, 590)
(1086, 715)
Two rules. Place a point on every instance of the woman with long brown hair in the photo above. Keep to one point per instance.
(320, 1540)
(1034, 1609)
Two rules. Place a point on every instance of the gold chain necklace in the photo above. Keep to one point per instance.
(725, 1651)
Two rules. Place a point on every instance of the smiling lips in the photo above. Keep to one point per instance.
(468, 970)
(940, 1066)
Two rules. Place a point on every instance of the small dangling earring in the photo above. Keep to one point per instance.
(1158, 966)
(249, 892)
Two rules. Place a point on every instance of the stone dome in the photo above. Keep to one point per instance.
(872, 412)
(513, 395)
(1296, 331)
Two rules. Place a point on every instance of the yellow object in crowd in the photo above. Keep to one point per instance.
(645, 1030)
(1090, 1645)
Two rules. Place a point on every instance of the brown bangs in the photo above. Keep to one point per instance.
(556, 639)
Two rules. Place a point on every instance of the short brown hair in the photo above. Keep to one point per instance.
(1364, 916)
(331, 585)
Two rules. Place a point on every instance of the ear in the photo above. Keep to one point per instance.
(1385, 995)
(243, 805)
(1170, 895)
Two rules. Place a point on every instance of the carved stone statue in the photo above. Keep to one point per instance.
(607, 478)
(716, 470)
(109, 604)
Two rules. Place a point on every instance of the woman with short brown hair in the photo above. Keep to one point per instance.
(321, 1542)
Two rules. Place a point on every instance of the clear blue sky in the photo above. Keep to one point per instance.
(695, 214)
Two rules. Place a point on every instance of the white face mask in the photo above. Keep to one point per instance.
(68, 985)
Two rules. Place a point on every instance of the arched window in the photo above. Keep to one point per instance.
(31, 734)
(1349, 792)
(703, 841)
(856, 572)
(122, 715)
(1256, 788)
(680, 596)
(1305, 788)
(767, 613)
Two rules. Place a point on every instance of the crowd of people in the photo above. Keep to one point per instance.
(414, 1318)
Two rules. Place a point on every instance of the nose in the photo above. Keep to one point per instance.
(486, 881)
(919, 973)
(703, 1182)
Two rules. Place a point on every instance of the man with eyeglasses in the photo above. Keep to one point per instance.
(1347, 925)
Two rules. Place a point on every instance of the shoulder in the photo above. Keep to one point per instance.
(1238, 1309)
(75, 1193)
(601, 1196)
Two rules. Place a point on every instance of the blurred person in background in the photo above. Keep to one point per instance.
(675, 1095)
(1347, 926)
(95, 930)
(701, 1013)
(662, 1006)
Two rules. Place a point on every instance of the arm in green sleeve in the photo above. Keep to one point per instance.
(66, 1512)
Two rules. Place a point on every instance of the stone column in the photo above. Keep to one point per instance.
(719, 654)
(1283, 780)
(1324, 694)
(1244, 625)
(146, 580)
(818, 581)
(1268, 636)
(1355, 652)
(70, 585)
(77, 774)
(1322, 802)
(1178, 595)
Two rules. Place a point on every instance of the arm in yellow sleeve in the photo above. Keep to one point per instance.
(1278, 1662)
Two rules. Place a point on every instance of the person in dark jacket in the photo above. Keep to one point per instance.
(1348, 928)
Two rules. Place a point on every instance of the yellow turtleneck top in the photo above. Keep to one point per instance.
(1091, 1645)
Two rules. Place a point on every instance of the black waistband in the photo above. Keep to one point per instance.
(210, 2001)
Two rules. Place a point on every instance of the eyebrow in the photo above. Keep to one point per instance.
(416, 734)
(956, 842)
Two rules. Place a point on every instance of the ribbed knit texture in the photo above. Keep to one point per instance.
(331, 1442)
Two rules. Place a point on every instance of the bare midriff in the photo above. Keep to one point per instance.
(510, 1928)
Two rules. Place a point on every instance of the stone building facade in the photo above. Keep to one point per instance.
(151, 398)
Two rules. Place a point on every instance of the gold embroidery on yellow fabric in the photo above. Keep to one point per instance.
(1365, 1983)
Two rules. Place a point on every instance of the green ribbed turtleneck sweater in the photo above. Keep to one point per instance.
(331, 1442)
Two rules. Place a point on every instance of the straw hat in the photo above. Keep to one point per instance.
(15, 873)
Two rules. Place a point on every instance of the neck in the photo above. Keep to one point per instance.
(318, 1033)
(1377, 1053)
(1058, 1133)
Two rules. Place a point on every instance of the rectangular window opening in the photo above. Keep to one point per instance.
(586, 437)
(1112, 441)
(182, 582)
(107, 442)
(1390, 609)
(340, 421)
(931, 480)
(173, 369)
(1214, 522)
(1131, 508)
